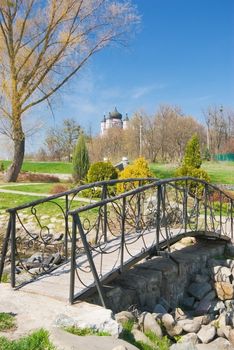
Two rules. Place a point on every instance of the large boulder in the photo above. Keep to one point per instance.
(148, 323)
(124, 316)
(190, 326)
(199, 290)
(99, 319)
(206, 333)
(224, 290)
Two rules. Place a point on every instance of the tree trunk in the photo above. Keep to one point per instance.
(19, 148)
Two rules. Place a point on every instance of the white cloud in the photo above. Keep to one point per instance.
(141, 91)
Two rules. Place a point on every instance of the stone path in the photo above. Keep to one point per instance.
(35, 311)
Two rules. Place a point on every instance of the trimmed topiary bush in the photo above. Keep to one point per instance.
(194, 187)
(80, 160)
(192, 156)
(101, 171)
(138, 169)
(191, 167)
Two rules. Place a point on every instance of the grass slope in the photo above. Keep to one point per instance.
(38, 340)
(44, 167)
(219, 172)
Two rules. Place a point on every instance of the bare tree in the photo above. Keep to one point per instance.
(43, 44)
(60, 141)
(219, 128)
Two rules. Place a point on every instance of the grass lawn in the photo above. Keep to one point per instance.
(38, 340)
(42, 188)
(7, 321)
(10, 200)
(219, 172)
(44, 167)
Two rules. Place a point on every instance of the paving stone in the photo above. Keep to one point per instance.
(183, 346)
(148, 323)
(168, 321)
(124, 316)
(190, 337)
(199, 290)
(190, 326)
(224, 290)
(141, 337)
(231, 336)
(199, 278)
(206, 334)
(188, 302)
(159, 309)
(217, 344)
(210, 296)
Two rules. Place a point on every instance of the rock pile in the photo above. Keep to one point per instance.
(36, 264)
(205, 318)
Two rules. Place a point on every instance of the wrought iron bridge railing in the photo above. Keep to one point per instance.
(38, 235)
(109, 226)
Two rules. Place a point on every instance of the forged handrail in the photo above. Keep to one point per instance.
(77, 190)
(142, 189)
(101, 223)
(192, 210)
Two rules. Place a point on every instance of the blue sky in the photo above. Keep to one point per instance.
(182, 55)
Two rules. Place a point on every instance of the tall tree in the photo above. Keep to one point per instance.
(192, 156)
(44, 43)
(80, 160)
(60, 141)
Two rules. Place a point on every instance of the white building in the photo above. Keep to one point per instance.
(114, 120)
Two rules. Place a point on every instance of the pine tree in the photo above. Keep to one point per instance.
(80, 160)
(192, 156)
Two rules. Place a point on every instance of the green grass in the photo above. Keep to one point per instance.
(44, 167)
(5, 276)
(162, 171)
(157, 343)
(219, 172)
(10, 200)
(85, 331)
(42, 188)
(38, 340)
(7, 321)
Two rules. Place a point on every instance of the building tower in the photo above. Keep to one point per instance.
(114, 120)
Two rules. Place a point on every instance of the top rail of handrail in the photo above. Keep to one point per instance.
(77, 190)
(142, 189)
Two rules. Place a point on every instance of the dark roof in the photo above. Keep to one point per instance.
(115, 114)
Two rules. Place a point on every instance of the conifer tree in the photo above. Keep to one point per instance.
(192, 156)
(80, 159)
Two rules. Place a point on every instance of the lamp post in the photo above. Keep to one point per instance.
(208, 133)
(140, 151)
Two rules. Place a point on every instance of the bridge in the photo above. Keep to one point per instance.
(104, 228)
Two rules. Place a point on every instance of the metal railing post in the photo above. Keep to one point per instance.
(158, 222)
(220, 212)
(138, 214)
(4, 248)
(122, 235)
(163, 196)
(185, 207)
(206, 203)
(232, 208)
(66, 228)
(90, 259)
(13, 248)
(73, 261)
(104, 196)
